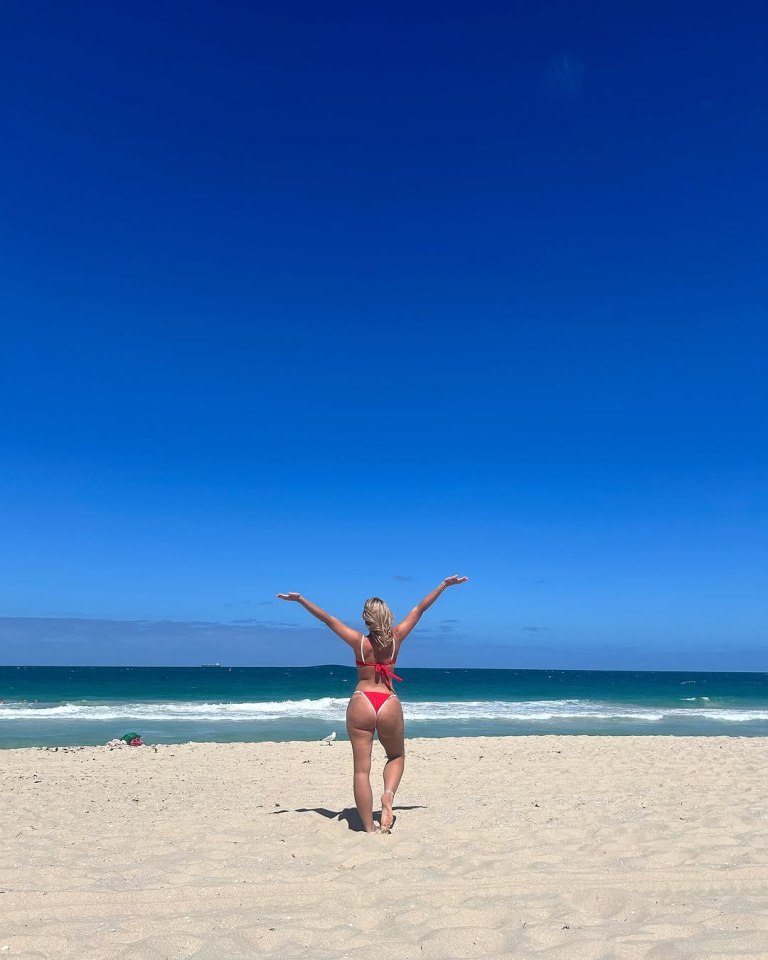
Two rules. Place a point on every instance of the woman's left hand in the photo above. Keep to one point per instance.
(454, 580)
(289, 596)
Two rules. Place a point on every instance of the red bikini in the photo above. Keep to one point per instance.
(376, 699)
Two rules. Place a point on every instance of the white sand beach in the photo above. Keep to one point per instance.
(559, 848)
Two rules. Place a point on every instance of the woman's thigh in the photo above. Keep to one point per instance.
(391, 727)
(361, 722)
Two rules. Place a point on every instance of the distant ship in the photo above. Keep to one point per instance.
(206, 665)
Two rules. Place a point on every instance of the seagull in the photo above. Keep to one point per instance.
(329, 739)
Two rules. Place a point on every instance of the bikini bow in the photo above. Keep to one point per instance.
(387, 675)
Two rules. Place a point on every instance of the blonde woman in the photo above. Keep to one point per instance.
(374, 705)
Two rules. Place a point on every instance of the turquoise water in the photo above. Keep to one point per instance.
(45, 706)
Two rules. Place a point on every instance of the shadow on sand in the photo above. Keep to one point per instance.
(349, 815)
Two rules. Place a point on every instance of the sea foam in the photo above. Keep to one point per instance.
(334, 708)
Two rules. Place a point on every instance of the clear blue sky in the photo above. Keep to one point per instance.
(322, 298)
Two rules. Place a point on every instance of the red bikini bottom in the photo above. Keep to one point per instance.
(377, 700)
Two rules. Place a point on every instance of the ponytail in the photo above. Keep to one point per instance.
(379, 620)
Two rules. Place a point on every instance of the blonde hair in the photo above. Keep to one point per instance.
(379, 619)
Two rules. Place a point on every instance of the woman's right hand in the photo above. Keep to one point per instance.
(289, 596)
(454, 580)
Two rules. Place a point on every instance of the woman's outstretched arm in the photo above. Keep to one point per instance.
(347, 634)
(405, 626)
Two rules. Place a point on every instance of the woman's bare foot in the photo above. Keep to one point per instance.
(387, 817)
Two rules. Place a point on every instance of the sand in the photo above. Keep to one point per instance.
(564, 848)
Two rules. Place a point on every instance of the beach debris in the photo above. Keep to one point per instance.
(133, 739)
(329, 739)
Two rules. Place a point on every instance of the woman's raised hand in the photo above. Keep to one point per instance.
(289, 596)
(454, 580)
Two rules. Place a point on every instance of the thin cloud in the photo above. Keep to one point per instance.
(533, 629)
(162, 642)
(563, 78)
(402, 578)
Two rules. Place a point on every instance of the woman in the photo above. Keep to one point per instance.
(374, 705)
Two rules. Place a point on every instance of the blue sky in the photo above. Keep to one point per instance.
(339, 301)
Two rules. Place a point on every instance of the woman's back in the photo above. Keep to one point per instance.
(374, 663)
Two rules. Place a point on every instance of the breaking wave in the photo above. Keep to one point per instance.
(332, 709)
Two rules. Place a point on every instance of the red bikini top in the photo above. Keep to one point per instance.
(382, 667)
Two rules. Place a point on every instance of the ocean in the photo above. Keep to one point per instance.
(55, 706)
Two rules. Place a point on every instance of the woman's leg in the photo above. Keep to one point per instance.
(392, 738)
(361, 722)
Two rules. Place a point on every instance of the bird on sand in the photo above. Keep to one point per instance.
(329, 739)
